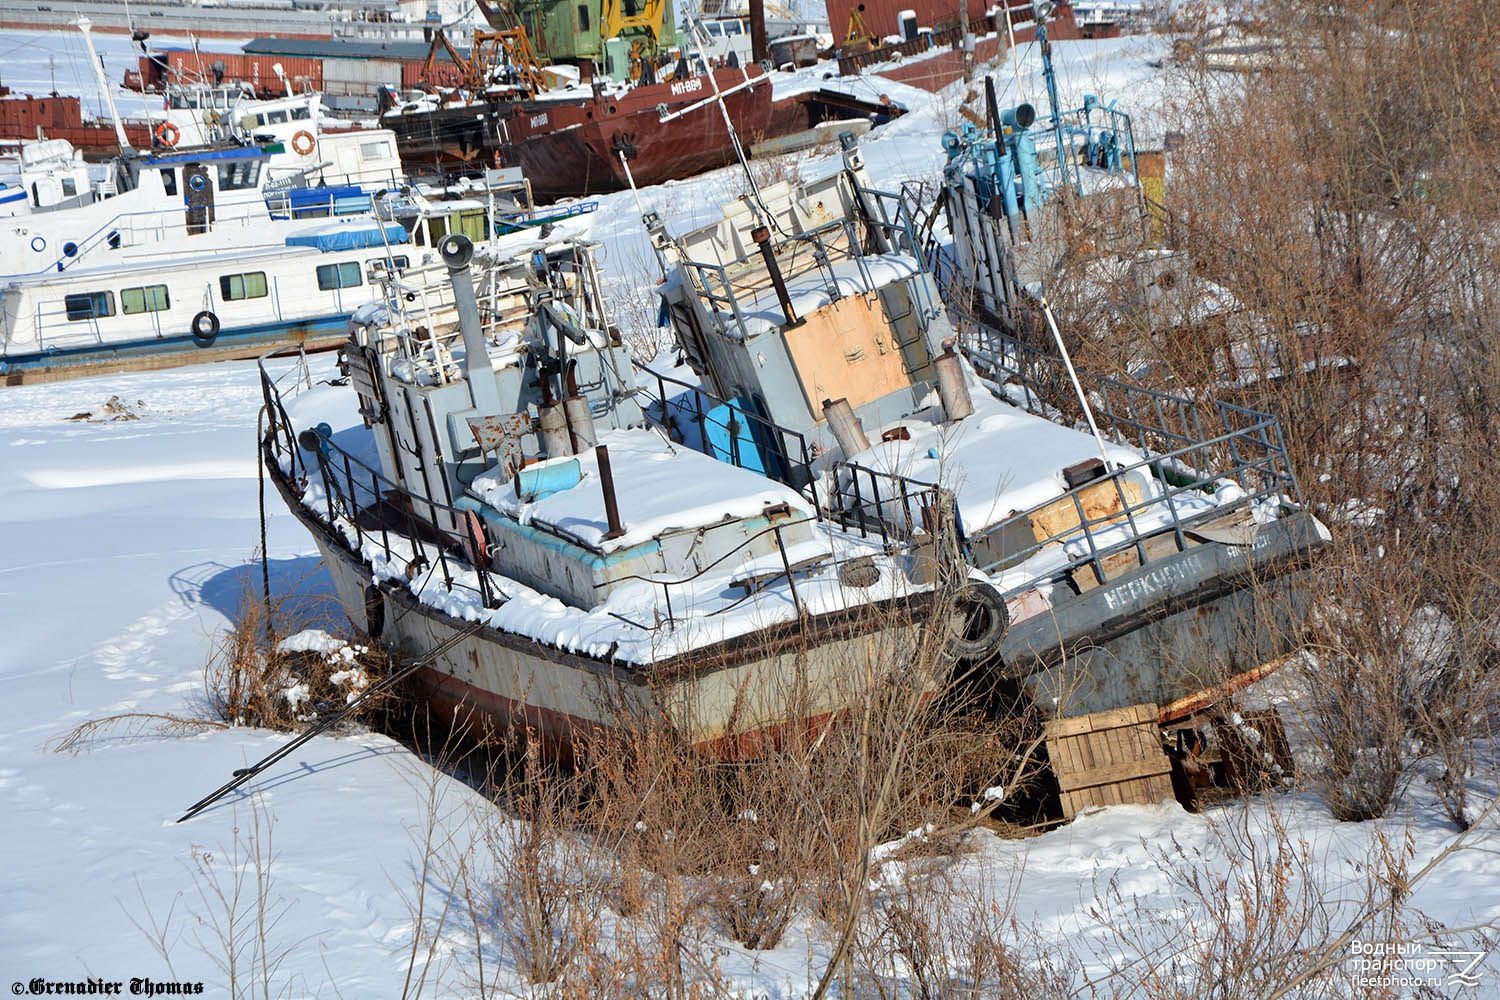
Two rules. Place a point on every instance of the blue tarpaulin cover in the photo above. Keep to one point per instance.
(349, 235)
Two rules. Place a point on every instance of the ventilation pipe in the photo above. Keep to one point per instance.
(556, 441)
(457, 251)
(953, 390)
(580, 418)
(847, 430)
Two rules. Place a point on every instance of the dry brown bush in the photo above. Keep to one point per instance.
(252, 680)
(1343, 195)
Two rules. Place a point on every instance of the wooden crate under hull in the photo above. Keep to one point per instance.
(1109, 758)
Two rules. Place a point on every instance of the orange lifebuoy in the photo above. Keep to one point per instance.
(303, 143)
(167, 134)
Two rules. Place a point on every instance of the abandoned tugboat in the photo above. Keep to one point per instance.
(488, 495)
(1150, 548)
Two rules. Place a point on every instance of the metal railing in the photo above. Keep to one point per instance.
(883, 221)
(363, 507)
(1189, 447)
(783, 454)
(892, 507)
(155, 225)
(360, 500)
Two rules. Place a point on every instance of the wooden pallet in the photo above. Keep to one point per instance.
(1109, 758)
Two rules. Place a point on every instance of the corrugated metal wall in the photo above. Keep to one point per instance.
(360, 77)
(184, 65)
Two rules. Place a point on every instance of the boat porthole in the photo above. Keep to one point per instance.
(113, 239)
(374, 611)
(205, 328)
(981, 620)
(70, 249)
(197, 182)
(38, 244)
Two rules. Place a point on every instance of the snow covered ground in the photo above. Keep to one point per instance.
(128, 539)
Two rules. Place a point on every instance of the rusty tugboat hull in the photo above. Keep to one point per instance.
(458, 485)
(570, 148)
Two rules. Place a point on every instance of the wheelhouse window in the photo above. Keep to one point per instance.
(301, 113)
(89, 305)
(251, 285)
(236, 175)
(148, 298)
(583, 17)
(376, 150)
(332, 276)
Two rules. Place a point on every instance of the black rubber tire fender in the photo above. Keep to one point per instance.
(204, 328)
(981, 621)
(374, 611)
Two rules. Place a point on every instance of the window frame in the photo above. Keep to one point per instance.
(82, 314)
(154, 298)
(226, 285)
(340, 270)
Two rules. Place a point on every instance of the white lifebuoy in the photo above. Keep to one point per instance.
(303, 143)
(167, 134)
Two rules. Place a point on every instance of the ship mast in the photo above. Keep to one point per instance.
(84, 24)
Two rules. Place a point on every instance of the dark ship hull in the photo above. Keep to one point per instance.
(573, 147)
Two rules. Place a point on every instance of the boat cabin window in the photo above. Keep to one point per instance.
(251, 285)
(714, 28)
(89, 305)
(301, 113)
(376, 150)
(472, 223)
(149, 298)
(734, 28)
(169, 180)
(332, 276)
(70, 187)
(277, 118)
(583, 17)
(236, 175)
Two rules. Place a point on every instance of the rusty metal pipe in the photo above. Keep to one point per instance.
(953, 391)
(556, 441)
(762, 237)
(607, 483)
(847, 430)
